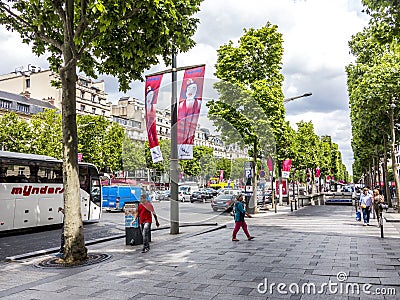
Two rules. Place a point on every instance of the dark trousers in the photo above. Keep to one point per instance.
(366, 212)
(146, 227)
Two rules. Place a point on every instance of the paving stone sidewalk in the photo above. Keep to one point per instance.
(316, 252)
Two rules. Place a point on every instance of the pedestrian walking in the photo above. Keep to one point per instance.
(144, 212)
(377, 200)
(365, 204)
(240, 213)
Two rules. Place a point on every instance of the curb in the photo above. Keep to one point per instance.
(390, 220)
(107, 239)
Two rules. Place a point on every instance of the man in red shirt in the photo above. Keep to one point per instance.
(145, 210)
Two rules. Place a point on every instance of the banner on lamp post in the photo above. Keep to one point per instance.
(317, 172)
(152, 87)
(287, 164)
(189, 110)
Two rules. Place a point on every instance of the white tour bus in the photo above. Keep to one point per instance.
(31, 190)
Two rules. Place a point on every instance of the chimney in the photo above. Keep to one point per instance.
(26, 94)
(50, 100)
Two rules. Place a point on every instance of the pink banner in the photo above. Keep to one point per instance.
(189, 110)
(317, 172)
(151, 94)
(287, 164)
(270, 164)
(221, 175)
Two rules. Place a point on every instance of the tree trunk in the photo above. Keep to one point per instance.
(394, 164)
(385, 173)
(74, 249)
(253, 200)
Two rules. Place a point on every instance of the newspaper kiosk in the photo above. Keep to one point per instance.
(133, 235)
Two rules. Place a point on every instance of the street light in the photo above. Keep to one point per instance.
(286, 100)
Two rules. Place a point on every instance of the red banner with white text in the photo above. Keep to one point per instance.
(151, 94)
(189, 110)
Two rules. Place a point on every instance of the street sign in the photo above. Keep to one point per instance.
(248, 169)
(262, 174)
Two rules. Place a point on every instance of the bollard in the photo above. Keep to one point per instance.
(382, 206)
(291, 206)
(295, 203)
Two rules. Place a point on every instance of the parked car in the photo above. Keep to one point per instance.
(231, 192)
(183, 196)
(223, 202)
(211, 192)
(163, 195)
(265, 197)
(200, 196)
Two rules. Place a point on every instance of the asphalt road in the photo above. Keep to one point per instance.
(111, 224)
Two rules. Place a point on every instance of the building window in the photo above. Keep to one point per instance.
(23, 108)
(28, 83)
(93, 97)
(93, 110)
(5, 104)
(82, 94)
(103, 113)
(84, 82)
(82, 107)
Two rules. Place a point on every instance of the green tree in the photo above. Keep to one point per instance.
(225, 165)
(112, 147)
(47, 140)
(86, 34)
(238, 168)
(208, 166)
(192, 167)
(15, 133)
(307, 153)
(133, 155)
(250, 110)
(100, 142)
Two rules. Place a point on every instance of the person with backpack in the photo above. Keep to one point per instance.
(239, 214)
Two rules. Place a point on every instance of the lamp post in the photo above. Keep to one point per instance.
(286, 100)
(393, 149)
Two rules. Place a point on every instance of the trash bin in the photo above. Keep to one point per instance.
(133, 235)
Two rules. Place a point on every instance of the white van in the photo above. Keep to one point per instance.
(186, 189)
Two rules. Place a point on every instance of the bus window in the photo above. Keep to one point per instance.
(84, 178)
(95, 191)
(3, 174)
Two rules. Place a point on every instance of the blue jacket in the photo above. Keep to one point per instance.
(239, 212)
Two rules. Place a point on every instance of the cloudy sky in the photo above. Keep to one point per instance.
(315, 34)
